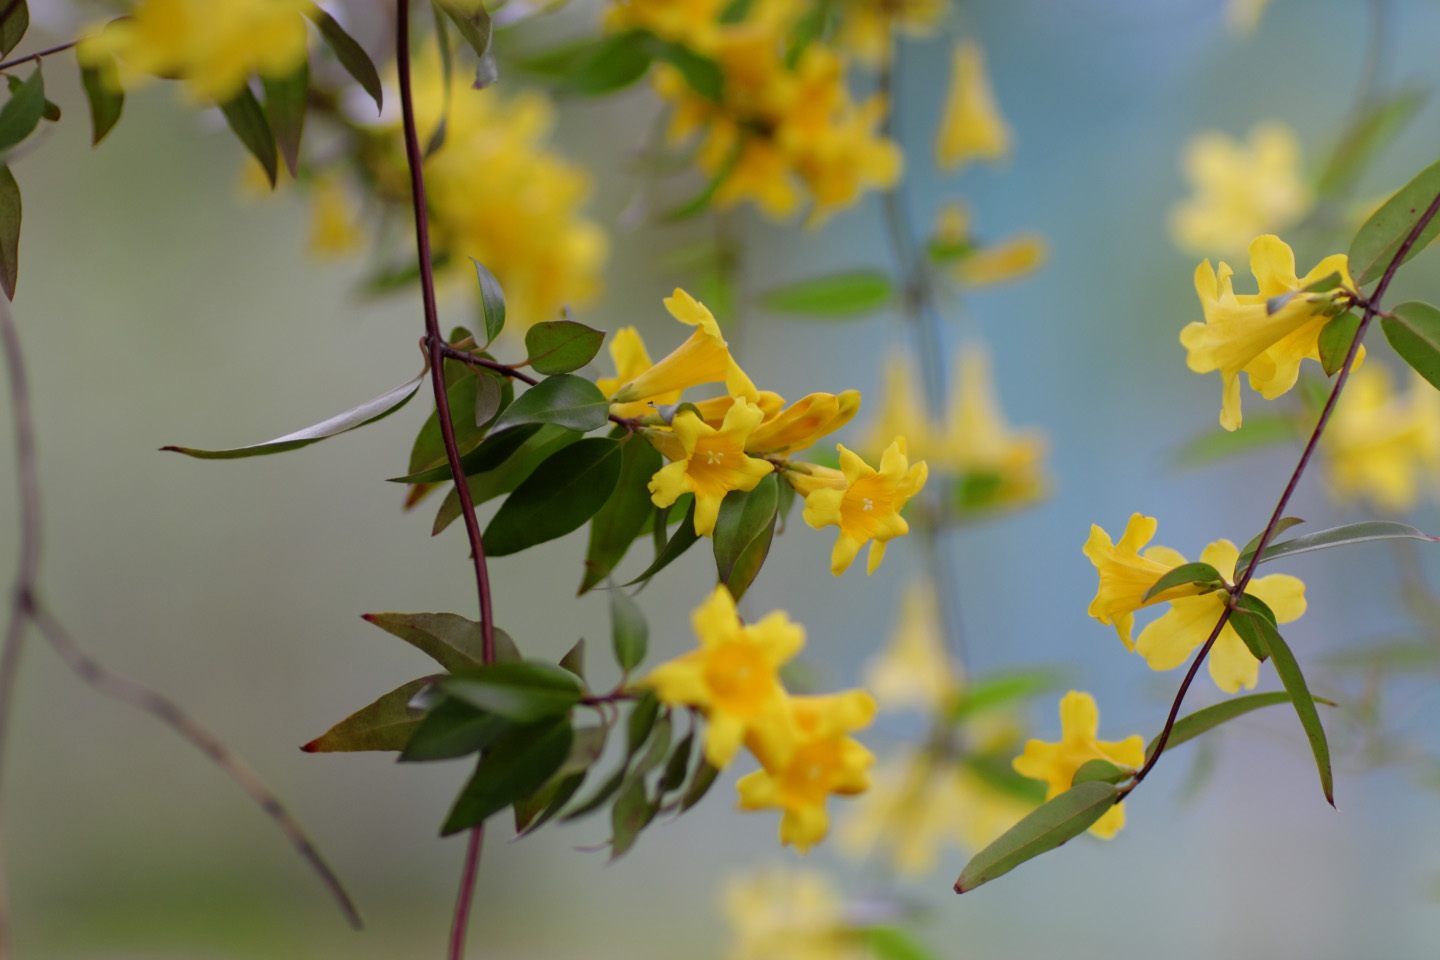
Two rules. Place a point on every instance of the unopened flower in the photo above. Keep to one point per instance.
(1056, 763)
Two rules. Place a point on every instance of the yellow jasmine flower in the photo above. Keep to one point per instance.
(902, 414)
(979, 444)
(691, 22)
(807, 759)
(1239, 189)
(799, 425)
(866, 25)
(1383, 446)
(867, 510)
(783, 914)
(732, 677)
(631, 358)
(1240, 334)
(703, 358)
(1126, 574)
(917, 804)
(715, 463)
(1056, 763)
(972, 127)
(335, 226)
(915, 670)
(1169, 641)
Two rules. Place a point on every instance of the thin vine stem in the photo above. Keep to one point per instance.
(1371, 309)
(38, 55)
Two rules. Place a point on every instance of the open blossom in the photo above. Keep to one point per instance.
(914, 670)
(786, 914)
(806, 759)
(1239, 190)
(703, 358)
(1056, 763)
(1168, 642)
(733, 676)
(1382, 445)
(714, 463)
(863, 502)
(1240, 334)
(1126, 574)
(972, 127)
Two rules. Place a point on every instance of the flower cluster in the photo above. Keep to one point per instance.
(734, 441)
(1240, 189)
(802, 743)
(1381, 445)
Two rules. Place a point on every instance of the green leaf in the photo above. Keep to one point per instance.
(14, 21)
(747, 567)
(1253, 604)
(1000, 690)
(472, 20)
(1043, 829)
(616, 525)
(247, 119)
(351, 55)
(368, 412)
(429, 461)
(1380, 238)
(846, 295)
(630, 634)
(1187, 573)
(9, 231)
(22, 112)
(560, 346)
(1335, 339)
(491, 453)
(586, 748)
(563, 492)
(525, 692)
(701, 781)
(100, 77)
(285, 101)
(1250, 632)
(449, 639)
(492, 301)
(574, 659)
(612, 63)
(386, 724)
(675, 768)
(452, 730)
(1281, 525)
(489, 396)
(519, 763)
(1413, 329)
(1364, 138)
(641, 722)
(508, 475)
(596, 800)
(564, 399)
(893, 943)
(1340, 536)
(996, 771)
(632, 812)
(681, 540)
(1204, 720)
(746, 520)
(699, 203)
(702, 73)
(1221, 444)
(1100, 771)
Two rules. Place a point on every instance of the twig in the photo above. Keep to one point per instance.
(460, 924)
(37, 55)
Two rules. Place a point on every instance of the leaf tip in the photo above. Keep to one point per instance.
(313, 746)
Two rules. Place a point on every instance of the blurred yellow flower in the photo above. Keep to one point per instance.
(1056, 763)
(866, 26)
(1240, 190)
(867, 508)
(732, 677)
(902, 414)
(715, 463)
(972, 127)
(914, 670)
(691, 22)
(1240, 334)
(1381, 445)
(1126, 574)
(973, 264)
(1243, 16)
(807, 759)
(1168, 642)
(784, 914)
(215, 46)
(335, 226)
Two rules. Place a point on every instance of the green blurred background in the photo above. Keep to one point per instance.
(158, 305)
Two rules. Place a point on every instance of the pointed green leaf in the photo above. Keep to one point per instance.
(285, 101)
(472, 20)
(386, 724)
(1281, 525)
(574, 659)
(525, 692)
(368, 412)
(1340, 536)
(1220, 444)
(489, 396)
(641, 722)
(852, 293)
(563, 492)
(247, 119)
(586, 748)
(563, 399)
(596, 800)
(509, 474)
(701, 781)
(9, 231)
(681, 540)
(451, 730)
(674, 775)
(1289, 670)
(449, 639)
(1208, 718)
(14, 21)
(1251, 633)
(1380, 238)
(560, 346)
(518, 764)
(429, 461)
(623, 516)
(1101, 771)
(492, 301)
(1413, 329)
(996, 771)
(22, 112)
(610, 64)
(351, 55)
(632, 812)
(747, 566)
(1335, 339)
(1043, 829)
(100, 76)
(630, 633)
(999, 690)
(745, 518)
(555, 798)
(1187, 573)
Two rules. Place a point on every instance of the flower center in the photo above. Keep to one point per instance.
(739, 678)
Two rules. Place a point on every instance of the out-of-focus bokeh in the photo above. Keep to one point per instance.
(161, 304)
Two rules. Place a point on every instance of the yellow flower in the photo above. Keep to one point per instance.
(1239, 334)
(974, 264)
(715, 463)
(214, 45)
(915, 670)
(1243, 16)
(1168, 642)
(972, 127)
(867, 510)
(866, 25)
(1056, 763)
(1382, 446)
(1239, 190)
(335, 227)
(807, 759)
(902, 414)
(1006, 466)
(784, 914)
(806, 420)
(732, 677)
(631, 360)
(1126, 574)
(703, 358)
(691, 22)
(915, 805)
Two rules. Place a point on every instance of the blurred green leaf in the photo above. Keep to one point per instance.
(101, 79)
(524, 692)
(1413, 329)
(629, 632)
(616, 525)
(567, 489)
(681, 540)
(1220, 444)
(22, 112)
(1340, 536)
(452, 641)
(1335, 339)
(560, 346)
(285, 101)
(631, 813)
(519, 763)
(1379, 240)
(1000, 690)
(351, 55)
(1208, 718)
(701, 72)
(472, 20)
(996, 771)
(699, 203)
(893, 943)
(564, 399)
(9, 231)
(746, 524)
(368, 412)
(676, 767)
(609, 64)
(248, 121)
(641, 722)
(14, 21)
(701, 781)
(1369, 133)
(545, 803)
(451, 730)
(386, 724)
(852, 293)
(489, 397)
(1187, 573)
(1048, 826)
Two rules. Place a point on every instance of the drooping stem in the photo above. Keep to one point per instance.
(436, 347)
(1371, 307)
